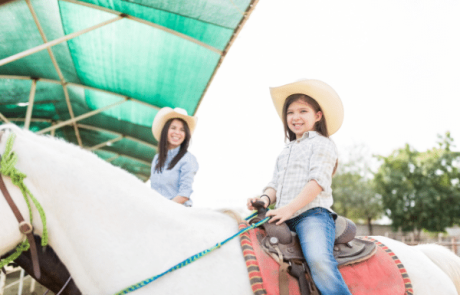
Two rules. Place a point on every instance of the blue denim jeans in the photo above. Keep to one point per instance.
(316, 231)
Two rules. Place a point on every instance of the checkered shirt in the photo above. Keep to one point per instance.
(311, 157)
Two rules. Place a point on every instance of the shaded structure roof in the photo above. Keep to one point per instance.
(95, 72)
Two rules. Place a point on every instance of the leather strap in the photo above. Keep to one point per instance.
(24, 227)
(283, 278)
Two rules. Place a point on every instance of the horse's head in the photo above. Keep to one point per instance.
(10, 236)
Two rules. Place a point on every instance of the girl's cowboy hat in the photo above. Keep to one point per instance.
(327, 98)
(167, 113)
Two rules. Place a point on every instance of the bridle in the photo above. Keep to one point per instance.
(24, 227)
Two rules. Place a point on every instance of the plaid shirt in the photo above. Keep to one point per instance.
(311, 157)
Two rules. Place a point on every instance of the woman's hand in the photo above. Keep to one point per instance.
(252, 200)
(281, 214)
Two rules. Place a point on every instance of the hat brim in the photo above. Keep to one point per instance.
(166, 114)
(327, 98)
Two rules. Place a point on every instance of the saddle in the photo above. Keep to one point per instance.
(284, 246)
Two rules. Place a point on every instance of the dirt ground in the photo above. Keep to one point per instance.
(13, 290)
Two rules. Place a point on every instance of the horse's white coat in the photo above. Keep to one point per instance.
(111, 231)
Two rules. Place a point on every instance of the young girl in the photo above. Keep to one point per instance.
(173, 167)
(301, 186)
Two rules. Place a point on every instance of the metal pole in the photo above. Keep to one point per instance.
(31, 104)
(81, 117)
(55, 42)
(148, 23)
(4, 118)
(105, 143)
(21, 281)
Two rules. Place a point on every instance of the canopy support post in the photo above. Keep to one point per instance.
(72, 116)
(42, 33)
(58, 70)
(31, 104)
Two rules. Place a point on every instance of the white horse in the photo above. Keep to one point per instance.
(111, 231)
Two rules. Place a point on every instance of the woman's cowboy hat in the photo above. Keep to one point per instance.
(167, 113)
(327, 98)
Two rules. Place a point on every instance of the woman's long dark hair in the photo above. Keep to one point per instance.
(320, 126)
(163, 146)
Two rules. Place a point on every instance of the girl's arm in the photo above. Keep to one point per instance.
(271, 199)
(308, 194)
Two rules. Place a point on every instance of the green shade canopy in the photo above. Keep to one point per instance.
(96, 72)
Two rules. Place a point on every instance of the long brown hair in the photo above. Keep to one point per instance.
(163, 146)
(320, 126)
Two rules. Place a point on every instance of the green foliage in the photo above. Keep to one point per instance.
(353, 189)
(420, 190)
(355, 197)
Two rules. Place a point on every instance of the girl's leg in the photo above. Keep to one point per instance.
(316, 231)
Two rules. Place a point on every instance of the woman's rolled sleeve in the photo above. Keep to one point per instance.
(322, 164)
(187, 173)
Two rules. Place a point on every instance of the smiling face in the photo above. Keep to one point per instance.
(176, 134)
(301, 117)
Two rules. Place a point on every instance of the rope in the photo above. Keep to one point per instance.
(7, 168)
(191, 259)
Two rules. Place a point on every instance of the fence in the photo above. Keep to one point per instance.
(7, 286)
(451, 243)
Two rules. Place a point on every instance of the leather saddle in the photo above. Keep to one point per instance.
(284, 246)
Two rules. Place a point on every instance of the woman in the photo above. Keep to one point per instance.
(173, 167)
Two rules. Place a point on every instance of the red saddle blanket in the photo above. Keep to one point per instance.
(382, 274)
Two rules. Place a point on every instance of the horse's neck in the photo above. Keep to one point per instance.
(102, 219)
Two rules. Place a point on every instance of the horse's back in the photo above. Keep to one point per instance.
(445, 260)
(426, 277)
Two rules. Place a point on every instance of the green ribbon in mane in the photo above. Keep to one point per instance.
(7, 168)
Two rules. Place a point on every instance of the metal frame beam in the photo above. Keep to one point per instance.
(83, 126)
(81, 117)
(4, 118)
(80, 86)
(72, 116)
(246, 15)
(30, 106)
(42, 34)
(148, 23)
(55, 42)
(58, 70)
(105, 143)
(126, 156)
(117, 133)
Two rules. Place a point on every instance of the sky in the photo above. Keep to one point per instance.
(395, 65)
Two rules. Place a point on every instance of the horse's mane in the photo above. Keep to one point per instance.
(72, 153)
(445, 259)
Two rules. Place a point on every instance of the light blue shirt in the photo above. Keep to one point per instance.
(177, 181)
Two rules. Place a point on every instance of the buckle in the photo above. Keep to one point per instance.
(25, 227)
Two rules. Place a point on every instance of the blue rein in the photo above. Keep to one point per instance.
(193, 258)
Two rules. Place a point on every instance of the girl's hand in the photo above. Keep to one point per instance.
(281, 214)
(251, 200)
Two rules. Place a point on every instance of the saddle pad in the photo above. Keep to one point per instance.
(382, 274)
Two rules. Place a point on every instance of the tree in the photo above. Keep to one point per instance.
(420, 190)
(353, 189)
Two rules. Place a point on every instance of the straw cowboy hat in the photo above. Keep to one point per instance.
(327, 98)
(167, 113)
